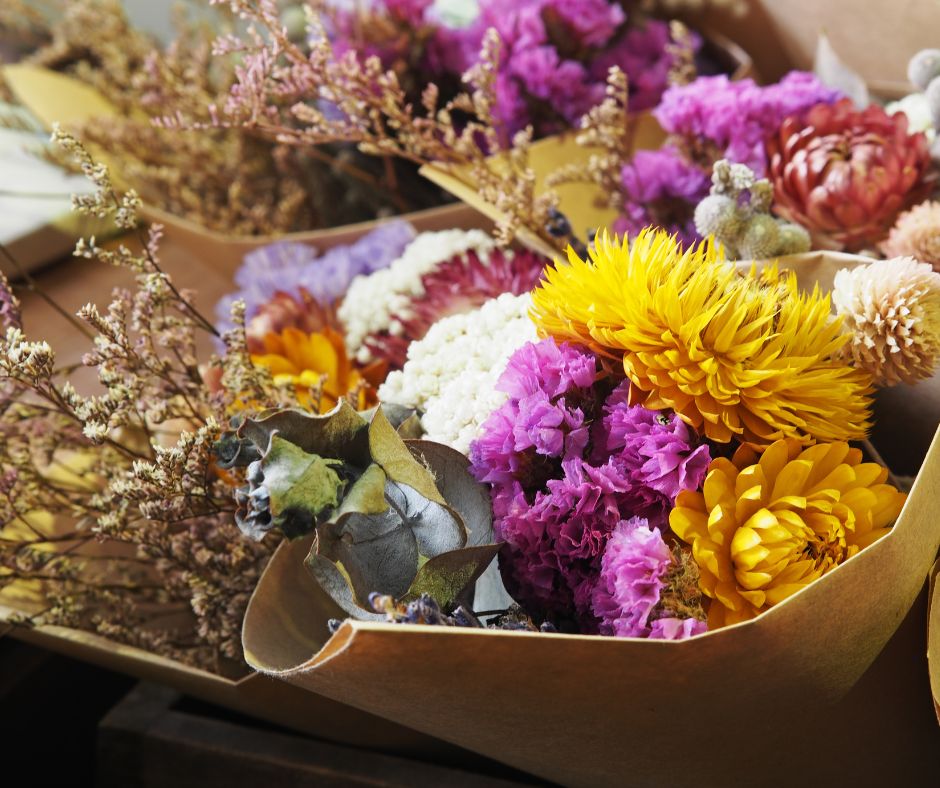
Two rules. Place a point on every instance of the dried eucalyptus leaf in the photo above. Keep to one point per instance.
(463, 493)
(436, 527)
(835, 73)
(332, 581)
(389, 451)
(471, 500)
(340, 434)
(445, 577)
(300, 486)
(366, 495)
(397, 415)
(378, 551)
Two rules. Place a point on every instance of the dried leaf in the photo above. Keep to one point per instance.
(332, 581)
(390, 452)
(834, 72)
(301, 486)
(339, 434)
(445, 577)
(471, 500)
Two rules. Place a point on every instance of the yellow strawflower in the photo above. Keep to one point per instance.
(743, 357)
(319, 369)
(766, 525)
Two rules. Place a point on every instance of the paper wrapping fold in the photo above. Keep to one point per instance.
(604, 711)
(255, 694)
(874, 37)
(933, 635)
(58, 98)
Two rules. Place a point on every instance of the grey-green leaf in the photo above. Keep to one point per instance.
(301, 486)
(446, 577)
(332, 581)
(340, 434)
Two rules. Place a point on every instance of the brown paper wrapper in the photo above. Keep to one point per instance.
(876, 38)
(254, 694)
(584, 710)
(226, 252)
(933, 635)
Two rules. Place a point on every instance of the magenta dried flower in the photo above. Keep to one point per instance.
(555, 58)
(568, 459)
(459, 285)
(661, 188)
(732, 119)
(632, 573)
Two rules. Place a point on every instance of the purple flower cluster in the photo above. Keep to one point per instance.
(555, 57)
(568, 460)
(661, 188)
(288, 267)
(736, 117)
(632, 576)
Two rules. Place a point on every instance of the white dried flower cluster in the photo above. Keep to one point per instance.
(374, 303)
(451, 374)
(891, 308)
(919, 116)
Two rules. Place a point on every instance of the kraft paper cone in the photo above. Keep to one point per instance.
(876, 38)
(583, 710)
(226, 252)
(933, 635)
(59, 98)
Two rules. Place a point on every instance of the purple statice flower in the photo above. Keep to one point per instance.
(642, 54)
(635, 563)
(556, 54)
(676, 628)
(661, 449)
(288, 267)
(661, 188)
(567, 459)
(736, 117)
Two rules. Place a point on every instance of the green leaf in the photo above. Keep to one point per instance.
(366, 495)
(378, 551)
(301, 486)
(390, 451)
(447, 576)
(463, 493)
(331, 580)
(340, 434)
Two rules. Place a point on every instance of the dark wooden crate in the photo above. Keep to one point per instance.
(154, 738)
(50, 707)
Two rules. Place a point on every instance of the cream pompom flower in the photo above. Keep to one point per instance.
(916, 234)
(891, 309)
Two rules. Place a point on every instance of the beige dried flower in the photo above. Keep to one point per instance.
(892, 310)
(917, 234)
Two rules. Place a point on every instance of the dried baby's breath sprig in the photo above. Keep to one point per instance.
(609, 129)
(112, 502)
(308, 97)
(682, 49)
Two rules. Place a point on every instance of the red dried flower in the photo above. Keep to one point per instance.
(461, 284)
(845, 174)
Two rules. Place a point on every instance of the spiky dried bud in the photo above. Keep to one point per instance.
(891, 309)
(924, 67)
(761, 238)
(932, 93)
(718, 215)
(793, 239)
